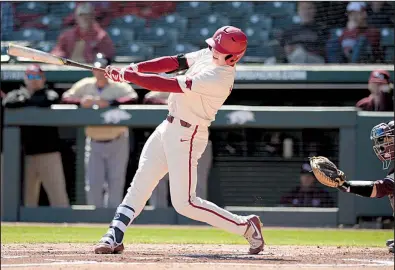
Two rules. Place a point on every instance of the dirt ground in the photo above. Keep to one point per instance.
(193, 257)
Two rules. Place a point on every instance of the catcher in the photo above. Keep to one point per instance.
(327, 173)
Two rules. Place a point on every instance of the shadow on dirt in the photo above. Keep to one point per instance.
(227, 257)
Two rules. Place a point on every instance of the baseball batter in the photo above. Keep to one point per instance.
(178, 142)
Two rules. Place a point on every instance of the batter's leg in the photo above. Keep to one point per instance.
(203, 171)
(182, 157)
(152, 167)
(95, 173)
(117, 162)
(160, 194)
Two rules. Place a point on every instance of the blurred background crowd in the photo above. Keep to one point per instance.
(278, 32)
(102, 33)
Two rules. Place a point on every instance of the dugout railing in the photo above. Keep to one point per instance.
(355, 157)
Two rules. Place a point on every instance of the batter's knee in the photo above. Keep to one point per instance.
(181, 206)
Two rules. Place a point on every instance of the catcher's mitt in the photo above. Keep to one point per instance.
(326, 172)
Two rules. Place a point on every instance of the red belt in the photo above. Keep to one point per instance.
(182, 122)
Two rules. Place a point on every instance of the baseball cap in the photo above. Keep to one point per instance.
(85, 8)
(101, 61)
(356, 6)
(379, 76)
(34, 72)
(306, 169)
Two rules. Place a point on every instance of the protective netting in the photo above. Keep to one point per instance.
(278, 32)
(249, 167)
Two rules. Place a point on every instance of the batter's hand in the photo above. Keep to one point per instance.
(115, 74)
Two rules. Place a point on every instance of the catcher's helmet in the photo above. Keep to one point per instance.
(231, 41)
(382, 136)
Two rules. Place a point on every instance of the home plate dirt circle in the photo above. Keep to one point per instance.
(164, 256)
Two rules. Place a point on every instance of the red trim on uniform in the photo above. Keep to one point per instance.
(190, 182)
(153, 82)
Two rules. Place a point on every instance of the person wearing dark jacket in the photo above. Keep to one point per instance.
(43, 163)
(307, 194)
(381, 96)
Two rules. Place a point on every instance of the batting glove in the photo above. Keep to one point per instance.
(115, 74)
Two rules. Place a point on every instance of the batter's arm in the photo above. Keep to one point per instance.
(165, 64)
(168, 64)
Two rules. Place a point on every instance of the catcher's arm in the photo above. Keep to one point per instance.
(328, 174)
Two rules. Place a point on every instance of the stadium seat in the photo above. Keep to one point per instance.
(129, 21)
(256, 35)
(32, 8)
(198, 35)
(257, 20)
(51, 35)
(120, 35)
(158, 36)
(193, 9)
(29, 34)
(45, 46)
(234, 9)
(256, 54)
(62, 9)
(134, 52)
(387, 37)
(176, 49)
(174, 21)
(51, 22)
(213, 20)
(335, 32)
(284, 22)
(276, 9)
(389, 55)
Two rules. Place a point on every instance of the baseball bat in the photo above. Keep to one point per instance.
(43, 57)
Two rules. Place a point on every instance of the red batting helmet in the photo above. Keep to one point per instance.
(231, 41)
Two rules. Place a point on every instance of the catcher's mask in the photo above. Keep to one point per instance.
(382, 136)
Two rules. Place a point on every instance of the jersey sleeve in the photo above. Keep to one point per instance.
(192, 57)
(212, 82)
(77, 91)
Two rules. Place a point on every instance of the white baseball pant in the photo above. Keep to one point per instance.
(176, 149)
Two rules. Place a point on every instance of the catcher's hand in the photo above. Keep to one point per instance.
(326, 172)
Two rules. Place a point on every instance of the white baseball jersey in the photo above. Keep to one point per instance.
(205, 86)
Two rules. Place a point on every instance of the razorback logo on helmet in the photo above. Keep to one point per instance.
(218, 38)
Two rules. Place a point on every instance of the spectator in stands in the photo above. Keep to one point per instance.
(381, 93)
(84, 41)
(148, 10)
(380, 14)
(107, 147)
(305, 42)
(104, 12)
(359, 43)
(43, 162)
(160, 195)
(307, 194)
